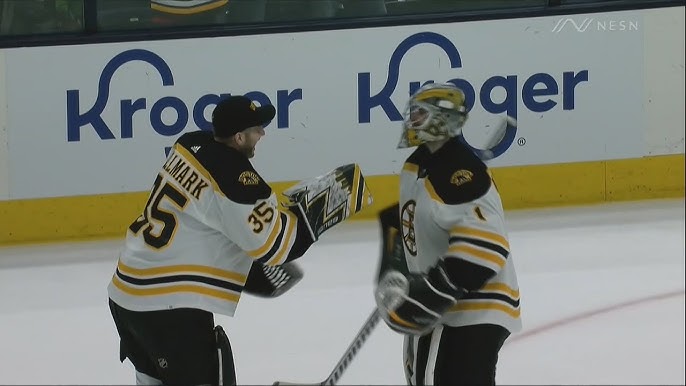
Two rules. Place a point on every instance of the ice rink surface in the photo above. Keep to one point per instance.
(602, 292)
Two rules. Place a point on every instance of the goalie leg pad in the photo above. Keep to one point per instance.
(145, 379)
(227, 370)
(392, 248)
(329, 199)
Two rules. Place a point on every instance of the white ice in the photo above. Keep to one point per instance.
(602, 303)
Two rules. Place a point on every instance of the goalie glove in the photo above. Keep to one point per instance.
(329, 199)
(414, 304)
(272, 281)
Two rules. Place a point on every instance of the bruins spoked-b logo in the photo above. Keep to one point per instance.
(249, 178)
(461, 177)
(407, 222)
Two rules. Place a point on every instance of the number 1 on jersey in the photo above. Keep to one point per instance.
(479, 213)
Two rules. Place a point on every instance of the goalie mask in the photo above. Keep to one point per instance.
(433, 113)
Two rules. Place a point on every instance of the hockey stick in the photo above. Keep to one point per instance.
(348, 356)
(494, 138)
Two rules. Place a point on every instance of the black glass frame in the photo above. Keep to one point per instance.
(59, 22)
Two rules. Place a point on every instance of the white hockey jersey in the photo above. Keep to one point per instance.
(208, 217)
(450, 209)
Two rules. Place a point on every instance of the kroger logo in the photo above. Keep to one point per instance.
(185, 112)
(538, 92)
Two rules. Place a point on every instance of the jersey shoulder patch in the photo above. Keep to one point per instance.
(457, 176)
(230, 170)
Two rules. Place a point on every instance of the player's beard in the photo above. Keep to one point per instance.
(248, 150)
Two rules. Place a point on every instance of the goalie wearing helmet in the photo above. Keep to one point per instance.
(446, 279)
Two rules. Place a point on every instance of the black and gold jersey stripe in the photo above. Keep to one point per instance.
(494, 297)
(175, 279)
(479, 246)
(275, 249)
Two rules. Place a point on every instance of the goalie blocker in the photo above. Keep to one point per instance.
(329, 199)
(272, 281)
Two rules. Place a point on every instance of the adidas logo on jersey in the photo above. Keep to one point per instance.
(195, 148)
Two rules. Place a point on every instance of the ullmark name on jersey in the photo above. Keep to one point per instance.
(189, 178)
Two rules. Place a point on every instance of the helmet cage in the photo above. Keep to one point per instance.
(434, 113)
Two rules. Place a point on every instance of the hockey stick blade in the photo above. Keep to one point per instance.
(349, 354)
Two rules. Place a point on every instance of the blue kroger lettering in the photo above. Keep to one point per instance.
(536, 91)
(383, 98)
(76, 120)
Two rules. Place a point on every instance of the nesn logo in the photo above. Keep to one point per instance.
(195, 148)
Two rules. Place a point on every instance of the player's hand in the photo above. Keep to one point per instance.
(414, 304)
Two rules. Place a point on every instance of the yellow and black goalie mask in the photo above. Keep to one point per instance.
(433, 113)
